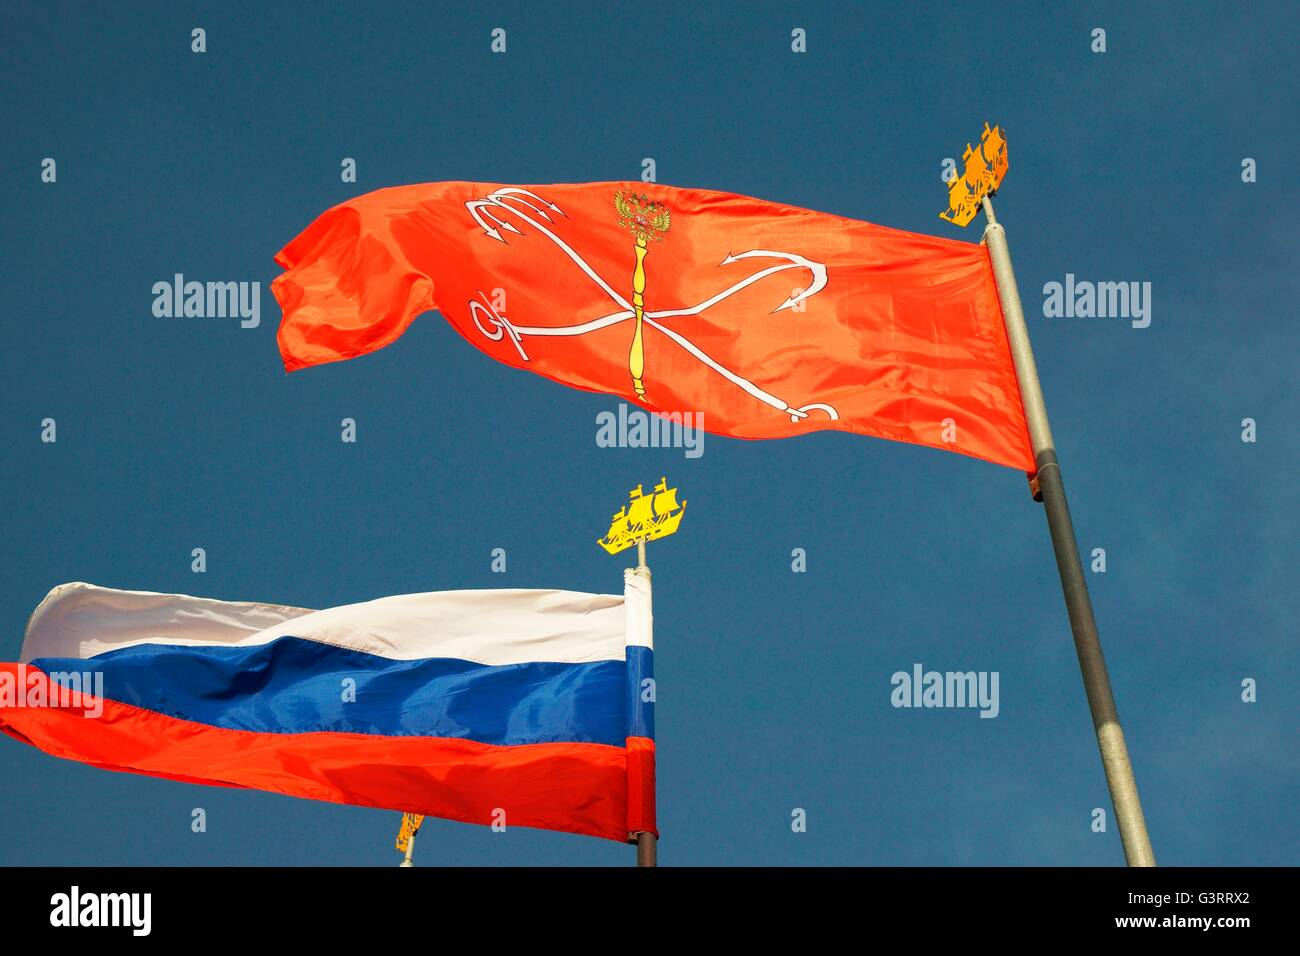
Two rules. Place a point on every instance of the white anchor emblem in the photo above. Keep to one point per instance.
(522, 204)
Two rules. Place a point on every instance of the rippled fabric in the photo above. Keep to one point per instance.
(362, 704)
(577, 788)
(295, 686)
(770, 320)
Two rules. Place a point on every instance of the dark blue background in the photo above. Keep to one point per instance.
(773, 686)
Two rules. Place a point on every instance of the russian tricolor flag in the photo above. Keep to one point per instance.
(528, 707)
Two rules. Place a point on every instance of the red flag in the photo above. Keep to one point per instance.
(769, 320)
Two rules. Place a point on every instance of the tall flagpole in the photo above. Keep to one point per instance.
(644, 518)
(1051, 491)
(647, 849)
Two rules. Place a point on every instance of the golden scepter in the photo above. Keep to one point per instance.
(647, 220)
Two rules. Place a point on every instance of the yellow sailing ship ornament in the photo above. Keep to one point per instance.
(985, 167)
(410, 827)
(644, 518)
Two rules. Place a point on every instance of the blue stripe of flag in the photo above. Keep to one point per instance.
(292, 685)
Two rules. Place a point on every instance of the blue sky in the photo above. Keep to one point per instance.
(774, 687)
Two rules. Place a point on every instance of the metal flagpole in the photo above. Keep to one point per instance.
(647, 850)
(647, 854)
(644, 518)
(1051, 491)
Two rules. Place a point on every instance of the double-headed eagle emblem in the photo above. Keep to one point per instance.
(647, 219)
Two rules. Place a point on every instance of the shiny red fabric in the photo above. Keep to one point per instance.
(769, 320)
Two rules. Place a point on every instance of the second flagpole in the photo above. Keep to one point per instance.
(647, 848)
(643, 519)
(1051, 491)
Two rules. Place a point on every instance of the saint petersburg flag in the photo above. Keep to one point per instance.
(768, 319)
(455, 704)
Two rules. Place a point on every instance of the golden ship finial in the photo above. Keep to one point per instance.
(986, 164)
(410, 827)
(646, 517)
